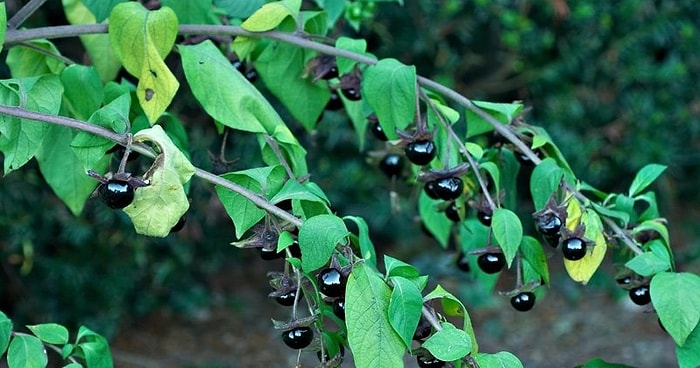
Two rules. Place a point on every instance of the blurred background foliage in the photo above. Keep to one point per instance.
(615, 84)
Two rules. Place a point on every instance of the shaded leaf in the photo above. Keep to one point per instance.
(367, 250)
(318, 237)
(389, 87)
(544, 181)
(405, 306)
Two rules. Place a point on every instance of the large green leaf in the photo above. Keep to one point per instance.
(508, 231)
(645, 177)
(271, 15)
(238, 8)
(193, 11)
(649, 263)
(83, 92)
(160, 205)
(405, 306)
(689, 354)
(318, 238)
(101, 8)
(389, 87)
(502, 359)
(544, 181)
(502, 112)
(449, 343)
(29, 62)
(26, 351)
(533, 253)
(367, 251)
(370, 334)
(95, 348)
(454, 307)
(350, 44)
(676, 299)
(51, 333)
(5, 332)
(141, 39)
(435, 222)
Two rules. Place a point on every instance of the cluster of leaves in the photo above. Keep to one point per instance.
(277, 207)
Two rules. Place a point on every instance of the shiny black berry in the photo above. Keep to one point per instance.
(270, 254)
(462, 263)
(549, 224)
(351, 93)
(378, 131)
(449, 188)
(640, 295)
(491, 262)
(335, 103)
(116, 193)
(421, 152)
(339, 308)
(484, 218)
(523, 302)
(287, 299)
(391, 165)
(429, 362)
(573, 248)
(623, 281)
(179, 225)
(331, 282)
(452, 212)
(429, 188)
(298, 337)
(423, 330)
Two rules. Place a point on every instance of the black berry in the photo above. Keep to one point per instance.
(391, 165)
(523, 302)
(462, 263)
(449, 188)
(298, 337)
(351, 93)
(116, 193)
(270, 254)
(452, 212)
(179, 225)
(331, 282)
(335, 103)
(640, 295)
(491, 262)
(484, 218)
(622, 281)
(573, 248)
(429, 362)
(549, 224)
(423, 330)
(421, 152)
(339, 308)
(287, 299)
(429, 188)
(378, 131)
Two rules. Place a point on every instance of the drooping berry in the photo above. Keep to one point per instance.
(573, 248)
(523, 302)
(298, 337)
(429, 188)
(491, 262)
(449, 188)
(287, 299)
(640, 295)
(335, 103)
(423, 330)
(116, 193)
(378, 131)
(351, 93)
(421, 152)
(484, 218)
(331, 282)
(391, 165)
(462, 263)
(270, 254)
(548, 224)
(452, 212)
(179, 225)
(429, 362)
(339, 308)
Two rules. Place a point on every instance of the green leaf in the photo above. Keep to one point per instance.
(73, 365)
(651, 262)
(237, 8)
(398, 268)
(508, 232)
(20, 139)
(405, 307)
(605, 211)
(544, 181)
(98, 46)
(502, 359)
(28, 62)
(271, 15)
(367, 250)
(101, 8)
(689, 354)
(449, 343)
(95, 348)
(281, 67)
(141, 39)
(533, 253)
(5, 332)
(370, 334)
(355, 45)
(160, 205)
(389, 87)
(26, 351)
(83, 91)
(645, 177)
(292, 189)
(193, 11)
(436, 222)
(600, 363)
(475, 150)
(454, 307)
(3, 24)
(318, 237)
(51, 333)
(675, 298)
(494, 172)
(503, 112)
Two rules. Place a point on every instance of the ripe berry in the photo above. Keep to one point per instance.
(429, 362)
(116, 193)
(429, 188)
(351, 93)
(462, 263)
(331, 282)
(391, 165)
(484, 218)
(573, 249)
(179, 225)
(335, 103)
(378, 131)
(298, 337)
(421, 152)
(423, 330)
(287, 299)
(270, 254)
(491, 262)
(523, 302)
(339, 308)
(626, 280)
(452, 212)
(449, 188)
(640, 295)
(549, 224)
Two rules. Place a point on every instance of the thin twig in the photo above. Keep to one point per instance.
(276, 149)
(24, 13)
(46, 52)
(622, 235)
(430, 317)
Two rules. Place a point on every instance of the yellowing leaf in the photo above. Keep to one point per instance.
(583, 269)
(158, 207)
(157, 86)
(271, 15)
(573, 214)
